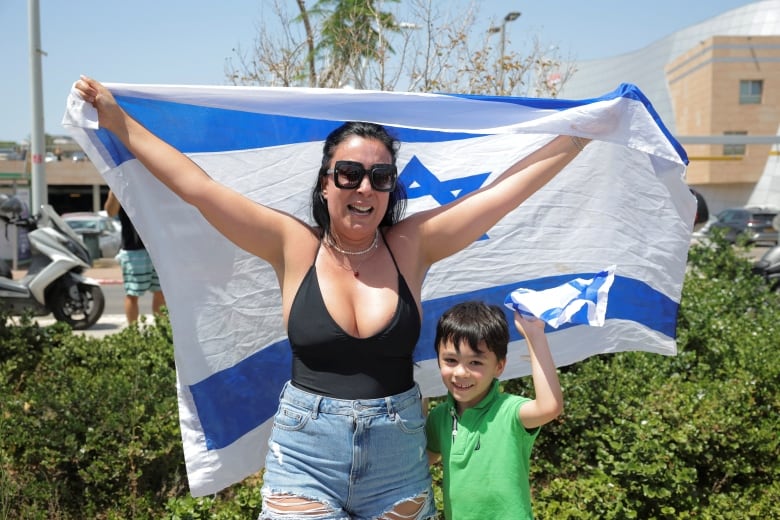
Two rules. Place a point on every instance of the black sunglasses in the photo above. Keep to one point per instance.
(349, 174)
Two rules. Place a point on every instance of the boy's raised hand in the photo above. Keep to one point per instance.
(528, 325)
(548, 401)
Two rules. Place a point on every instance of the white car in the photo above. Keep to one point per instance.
(88, 224)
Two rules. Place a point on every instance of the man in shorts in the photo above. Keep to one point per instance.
(138, 273)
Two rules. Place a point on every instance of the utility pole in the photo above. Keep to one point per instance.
(510, 17)
(37, 138)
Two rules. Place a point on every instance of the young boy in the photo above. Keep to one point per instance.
(484, 436)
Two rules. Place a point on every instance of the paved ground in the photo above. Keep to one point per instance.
(108, 324)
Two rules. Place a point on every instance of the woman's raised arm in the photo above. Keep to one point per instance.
(446, 230)
(251, 226)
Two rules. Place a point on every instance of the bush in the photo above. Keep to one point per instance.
(94, 426)
(690, 436)
(23, 345)
(89, 427)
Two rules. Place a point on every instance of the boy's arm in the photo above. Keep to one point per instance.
(548, 403)
(433, 458)
(430, 434)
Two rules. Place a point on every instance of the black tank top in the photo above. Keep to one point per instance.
(329, 362)
(130, 239)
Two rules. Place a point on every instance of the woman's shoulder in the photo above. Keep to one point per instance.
(402, 234)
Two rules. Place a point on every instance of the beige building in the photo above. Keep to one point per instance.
(73, 183)
(716, 87)
(727, 86)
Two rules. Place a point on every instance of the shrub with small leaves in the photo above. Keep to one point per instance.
(96, 424)
(688, 436)
(89, 427)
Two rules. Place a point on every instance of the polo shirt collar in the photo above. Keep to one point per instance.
(486, 401)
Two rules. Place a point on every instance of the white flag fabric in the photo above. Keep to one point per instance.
(622, 201)
(582, 301)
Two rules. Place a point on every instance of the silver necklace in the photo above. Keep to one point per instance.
(356, 270)
(335, 246)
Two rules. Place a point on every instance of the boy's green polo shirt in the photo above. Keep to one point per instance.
(486, 467)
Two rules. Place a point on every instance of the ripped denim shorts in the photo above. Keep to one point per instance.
(358, 458)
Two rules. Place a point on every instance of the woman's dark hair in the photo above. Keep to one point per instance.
(319, 206)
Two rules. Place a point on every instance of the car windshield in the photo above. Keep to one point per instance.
(79, 225)
(730, 216)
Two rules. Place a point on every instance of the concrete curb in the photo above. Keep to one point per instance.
(107, 324)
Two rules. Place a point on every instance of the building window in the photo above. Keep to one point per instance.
(734, 148)
(750, 91)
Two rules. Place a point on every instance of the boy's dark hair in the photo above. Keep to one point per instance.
(472, 322)
(319, 207)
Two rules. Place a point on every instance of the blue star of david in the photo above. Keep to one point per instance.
(420, 181)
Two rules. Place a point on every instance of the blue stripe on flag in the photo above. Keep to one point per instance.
(199, 129)
(210, 129)
(624, 90)
(231, 402)
(629, 299)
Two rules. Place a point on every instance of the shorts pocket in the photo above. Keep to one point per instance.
(290, 418)
(410, 419)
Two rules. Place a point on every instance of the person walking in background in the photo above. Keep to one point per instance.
(481, 434)
(138, 273)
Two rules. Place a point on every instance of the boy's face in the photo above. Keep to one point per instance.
(468, 374)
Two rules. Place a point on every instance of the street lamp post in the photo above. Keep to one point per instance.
(37, 136)
(510, 17)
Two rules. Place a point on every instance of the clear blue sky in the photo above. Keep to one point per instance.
(188, 41)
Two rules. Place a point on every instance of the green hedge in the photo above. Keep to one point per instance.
(690, 436)
(89, 428)
(92, 427)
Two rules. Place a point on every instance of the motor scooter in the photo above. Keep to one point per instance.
(768, 266)
(54, 282)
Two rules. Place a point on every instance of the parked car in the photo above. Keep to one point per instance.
(117, 222)
(108, 232)
(755, 223)
(9, 154)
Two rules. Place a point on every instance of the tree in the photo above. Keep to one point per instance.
(362, 44)
(354, 32)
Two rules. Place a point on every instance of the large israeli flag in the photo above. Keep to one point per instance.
(621, 202)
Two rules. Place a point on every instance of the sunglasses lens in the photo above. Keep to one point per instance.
(348, 176)
(383, 177)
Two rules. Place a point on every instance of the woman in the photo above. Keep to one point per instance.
(348, 438)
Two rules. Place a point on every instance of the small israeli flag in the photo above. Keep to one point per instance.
(582, 301)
